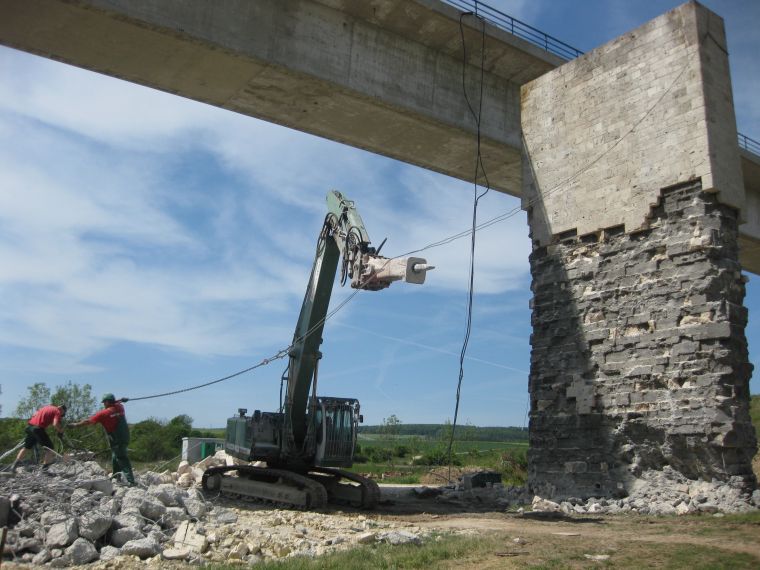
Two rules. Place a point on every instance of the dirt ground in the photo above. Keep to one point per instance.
(619, 541)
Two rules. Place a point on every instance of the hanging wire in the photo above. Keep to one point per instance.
(479, 167)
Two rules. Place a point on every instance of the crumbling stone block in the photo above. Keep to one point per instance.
(62, 534)
(81, 551)
(669, 384)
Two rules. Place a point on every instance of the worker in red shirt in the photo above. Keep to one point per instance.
(114, 421)
(36, 434)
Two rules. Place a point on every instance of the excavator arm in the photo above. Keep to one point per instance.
(344, 241)
(306, 443)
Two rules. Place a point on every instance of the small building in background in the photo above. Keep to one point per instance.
(194, 449)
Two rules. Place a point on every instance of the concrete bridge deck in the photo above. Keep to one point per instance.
(385, 76)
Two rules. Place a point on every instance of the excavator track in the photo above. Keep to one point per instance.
(274, 485)
(346, 487)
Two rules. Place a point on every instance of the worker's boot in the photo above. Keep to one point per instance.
(13, 466)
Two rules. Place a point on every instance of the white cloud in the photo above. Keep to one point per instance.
(100, 243)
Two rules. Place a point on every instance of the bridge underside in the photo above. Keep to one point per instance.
(388, 79)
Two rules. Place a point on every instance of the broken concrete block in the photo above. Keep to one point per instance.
(122, 536)
(187, 537)
(62, 534)
(173, 516)
(42, 557)
(81, 551)
(94, 524)
(176, 554)
(185, 480)
(108, 553)
(195, 508)
(132, 500)
(166, 493)
(142, 548)
(151, 508)
(396, 537)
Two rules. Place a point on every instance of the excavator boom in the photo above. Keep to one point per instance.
(310, 435)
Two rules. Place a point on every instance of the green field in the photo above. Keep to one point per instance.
(408, 458)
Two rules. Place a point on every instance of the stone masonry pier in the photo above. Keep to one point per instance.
(639, 357)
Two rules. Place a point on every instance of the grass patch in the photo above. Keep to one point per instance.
(491, 550)
(678, 556)
(431, 554)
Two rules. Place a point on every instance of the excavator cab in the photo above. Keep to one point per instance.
(336, 421)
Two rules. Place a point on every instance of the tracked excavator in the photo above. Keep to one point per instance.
(302, 451)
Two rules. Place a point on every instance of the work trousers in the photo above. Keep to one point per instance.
(119, 460)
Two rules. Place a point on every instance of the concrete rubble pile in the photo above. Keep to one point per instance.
(665, 492)
(73, 514)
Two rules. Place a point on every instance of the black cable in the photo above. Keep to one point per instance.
(479, 167)
(264, 362)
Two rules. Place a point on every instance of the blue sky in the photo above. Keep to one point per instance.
(149, 243)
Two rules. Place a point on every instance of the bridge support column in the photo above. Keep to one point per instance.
(632, 184)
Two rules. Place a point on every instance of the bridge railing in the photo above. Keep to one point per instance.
(748, 144)
(551, 44)
(517, 28)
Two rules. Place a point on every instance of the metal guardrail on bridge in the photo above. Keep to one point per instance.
(517, 28)
(748, 144)
(549, 43)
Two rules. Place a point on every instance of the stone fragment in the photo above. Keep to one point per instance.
(396, 537)
(239, 551)
(281, 550)
(122, 536)
(173, 516)
(81, 551)
(23, 545)
(176, 553)
(108, 553)
(151, 508)
(52, 517)
(94, 524)
(62, 534)
(167, 494)
(366, 538)
(152, 478)
(544, 505)
(105, 486)
(142, 548)
(132, 500)
(196, 508)
(42, 557)
(186, 536)
(185, 480)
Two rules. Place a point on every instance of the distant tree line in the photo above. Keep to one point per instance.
(465, 432)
